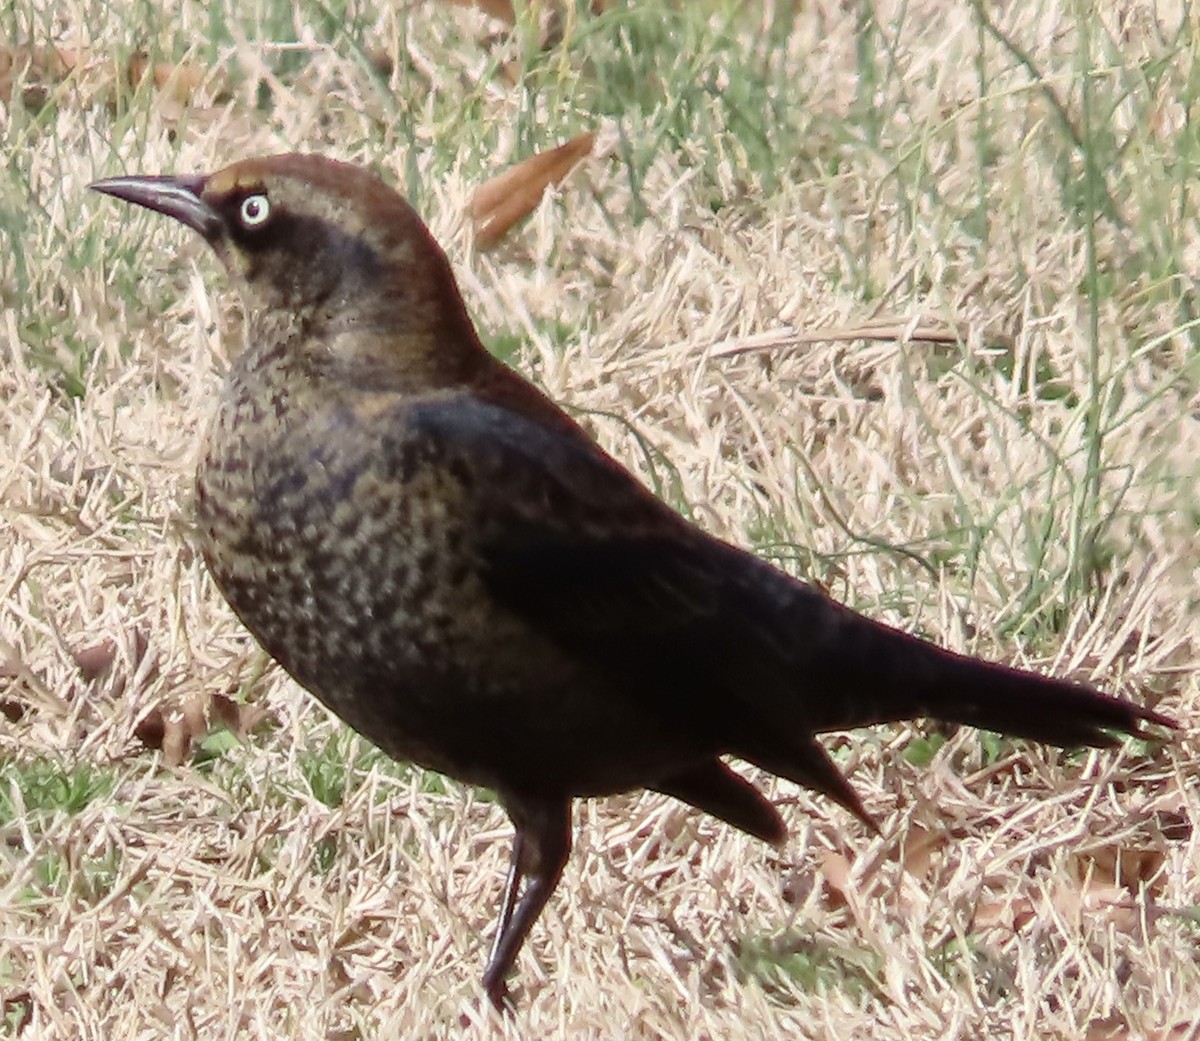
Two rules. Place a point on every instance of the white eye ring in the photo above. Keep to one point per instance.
(255, 210)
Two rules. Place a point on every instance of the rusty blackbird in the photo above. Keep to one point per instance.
(450, 563)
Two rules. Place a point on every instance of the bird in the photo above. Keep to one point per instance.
(447, 560)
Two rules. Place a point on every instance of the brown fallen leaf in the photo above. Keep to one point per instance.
(1116, 1028)
(836, 869)
(39, 68)
(501, 10)
(191, 727)
(176, 82)
(96, 76)
(177, 734)
(1129, 868)
(544, 12)
(920, 847)
(1170, 816)
(94, 660)
(1010, 916)
(1081, 905)
(25, 689)
(11, 708)
(512, 195)
(239, 718)
(1095, 902)
(104, 659)
(174, 735)
(858, 893)
(904, 894)
(151, 728)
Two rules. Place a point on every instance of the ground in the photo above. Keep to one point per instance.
(900, 295)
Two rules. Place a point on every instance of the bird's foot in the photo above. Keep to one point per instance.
(496, 988)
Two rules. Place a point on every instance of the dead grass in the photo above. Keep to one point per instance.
(1024, 489)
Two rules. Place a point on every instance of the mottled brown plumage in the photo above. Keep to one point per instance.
(444, 558)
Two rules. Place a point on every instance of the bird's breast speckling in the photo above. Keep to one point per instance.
(344, 545)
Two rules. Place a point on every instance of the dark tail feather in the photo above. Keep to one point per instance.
(818, 666)
(716, 789)
(885, 675)
(802, 760)
(1040, 708)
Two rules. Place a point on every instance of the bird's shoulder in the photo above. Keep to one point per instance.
(526, 460)
(566, 534)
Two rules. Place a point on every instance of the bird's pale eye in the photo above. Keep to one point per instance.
(255, 210)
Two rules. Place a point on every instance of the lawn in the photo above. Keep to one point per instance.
(902, 295)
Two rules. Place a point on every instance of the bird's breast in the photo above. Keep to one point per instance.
(350, 536)
(345, 545)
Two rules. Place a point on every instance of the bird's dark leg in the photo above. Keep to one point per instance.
(539, 853)
(511, 886)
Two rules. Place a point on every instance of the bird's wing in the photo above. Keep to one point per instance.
(701, 630)
(574, 544)
(694, 630)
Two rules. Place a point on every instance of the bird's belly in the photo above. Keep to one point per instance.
(372, 600)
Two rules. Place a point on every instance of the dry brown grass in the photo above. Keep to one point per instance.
(1017, 892)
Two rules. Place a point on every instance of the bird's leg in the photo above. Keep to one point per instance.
(511, 885)
(540, 850)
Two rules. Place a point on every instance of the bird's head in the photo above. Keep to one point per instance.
(327, 244)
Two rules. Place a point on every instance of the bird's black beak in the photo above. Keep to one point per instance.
(178, 197)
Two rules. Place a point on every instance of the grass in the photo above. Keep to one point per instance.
(1028, 491)
(797, 965)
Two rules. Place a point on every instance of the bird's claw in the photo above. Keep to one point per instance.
(496, 988)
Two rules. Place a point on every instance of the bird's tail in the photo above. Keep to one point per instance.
(886, 675)
(855, 672)
(806, 664)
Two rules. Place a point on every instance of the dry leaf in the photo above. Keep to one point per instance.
(151, 728)
(1171, 816)
(502, 10)
(1096, 902)
(183, 733)
(835, 868)
(1122, 867)
(38, 67)
(41, 68)
(1114, 1029)
(16, 678)
(1117, 1029)
(225, 711)
(512, 195)
(177, 82)
(1076, 904)
(102, 658)
(95, 660)
(177, 735)
(11, 708)
(176, 743)
(543, 10)
(240, 719)
(1009, 915)
(920, 845)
